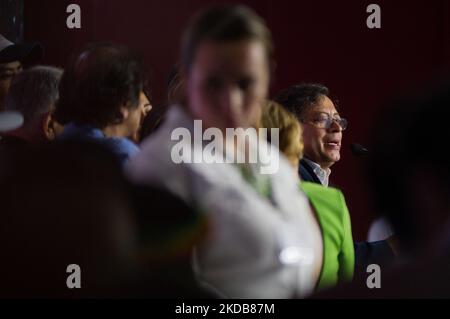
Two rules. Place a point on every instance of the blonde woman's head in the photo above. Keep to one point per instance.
(290, 143)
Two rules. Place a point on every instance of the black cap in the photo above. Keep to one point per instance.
(358, 149)
(23, 52)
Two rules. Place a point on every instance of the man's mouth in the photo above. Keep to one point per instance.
(333, 144)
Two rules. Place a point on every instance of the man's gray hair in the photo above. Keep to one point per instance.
(34, 92)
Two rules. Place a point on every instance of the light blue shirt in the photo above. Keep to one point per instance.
(122, 147)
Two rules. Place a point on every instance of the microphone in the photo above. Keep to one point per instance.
(358, 149)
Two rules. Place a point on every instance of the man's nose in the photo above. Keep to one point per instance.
(335, 127)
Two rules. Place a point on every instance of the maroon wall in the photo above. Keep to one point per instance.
(323, 41)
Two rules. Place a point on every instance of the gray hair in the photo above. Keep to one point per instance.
(34, 92)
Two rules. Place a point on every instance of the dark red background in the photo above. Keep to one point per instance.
(323, 41)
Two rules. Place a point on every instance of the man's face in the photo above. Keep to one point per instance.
(7, 73)
(227, 83)
(137, 115)
(322, 145)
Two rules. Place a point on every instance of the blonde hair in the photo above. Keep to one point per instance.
(275, 116)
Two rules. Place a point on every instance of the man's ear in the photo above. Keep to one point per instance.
(47, 127)
(125, 112)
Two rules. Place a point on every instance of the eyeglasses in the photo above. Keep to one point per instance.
(325, 122)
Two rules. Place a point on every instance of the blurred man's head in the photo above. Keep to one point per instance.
(12, 58)
(226, 55)
(322, 124)
(104, 87)
(410, 169)
(34, 93)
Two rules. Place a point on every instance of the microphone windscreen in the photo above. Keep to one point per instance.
(358, 149)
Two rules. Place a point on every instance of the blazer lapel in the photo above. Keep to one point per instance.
(307, 174)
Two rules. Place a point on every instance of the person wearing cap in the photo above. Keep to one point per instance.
(13, 56)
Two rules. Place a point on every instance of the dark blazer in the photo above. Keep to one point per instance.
(306, 172)
(366, 253)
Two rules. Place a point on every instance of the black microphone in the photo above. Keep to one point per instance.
(358, 149)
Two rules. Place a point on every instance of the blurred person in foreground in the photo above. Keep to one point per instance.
(264, 241)
(65, 204)
(415, 200)
(71, 205)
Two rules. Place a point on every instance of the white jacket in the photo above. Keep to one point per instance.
(257, 248)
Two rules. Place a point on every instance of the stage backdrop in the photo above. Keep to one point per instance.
(320, 41)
